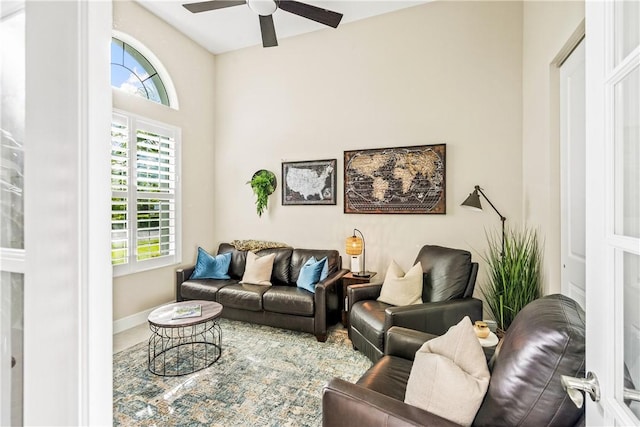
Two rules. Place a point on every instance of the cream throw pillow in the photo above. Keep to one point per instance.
(449, 376)
(402, 289)
(257, 270)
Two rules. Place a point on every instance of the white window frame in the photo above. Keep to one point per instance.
(169, 87)
(135, 122)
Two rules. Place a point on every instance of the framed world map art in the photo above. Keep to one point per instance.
(399, 180)
(309, 182)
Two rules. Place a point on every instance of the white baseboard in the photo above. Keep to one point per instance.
(133, 320)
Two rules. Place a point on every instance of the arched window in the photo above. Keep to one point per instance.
(132, 72)
(145, 165)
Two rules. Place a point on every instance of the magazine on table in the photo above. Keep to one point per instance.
(187, 311)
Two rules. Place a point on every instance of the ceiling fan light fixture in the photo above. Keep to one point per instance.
(265, 10)
(263, 7)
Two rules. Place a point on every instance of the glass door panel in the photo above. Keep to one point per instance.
(12, 94)
(12, 296)
(631, 277)
(627, 155)
(627, 18)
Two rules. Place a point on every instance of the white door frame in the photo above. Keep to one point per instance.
(68, 284)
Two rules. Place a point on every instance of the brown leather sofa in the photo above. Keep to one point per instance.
(282, 305)
(545, 340)
(449, 278)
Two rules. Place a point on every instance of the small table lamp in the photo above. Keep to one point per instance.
(354, 247)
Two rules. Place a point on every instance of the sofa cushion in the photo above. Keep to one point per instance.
(281, 274)
(281, 264)
(545, 340)
(288, 300)
(449, 376)
(246, 297)
(388, 376)
(258, 269)
(367, 317)
(206, 289)
(402, 289)
(238, 260)
(446, 272)
(211, 267)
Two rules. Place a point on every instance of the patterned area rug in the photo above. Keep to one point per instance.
(265, 377)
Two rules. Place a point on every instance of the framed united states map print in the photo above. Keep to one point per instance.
(309, 182)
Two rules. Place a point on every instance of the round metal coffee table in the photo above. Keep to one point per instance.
(186, 345)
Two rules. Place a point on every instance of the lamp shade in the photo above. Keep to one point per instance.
(354, 245)
(473, 201)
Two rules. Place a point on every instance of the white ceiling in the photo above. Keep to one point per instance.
(236, 27)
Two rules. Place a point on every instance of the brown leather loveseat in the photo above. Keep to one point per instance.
(283, 304)
(546, 340)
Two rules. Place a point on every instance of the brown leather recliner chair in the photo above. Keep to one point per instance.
(449, 277)
(545, 340)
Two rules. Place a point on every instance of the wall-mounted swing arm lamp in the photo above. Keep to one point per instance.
(473, 202)
(355, 246)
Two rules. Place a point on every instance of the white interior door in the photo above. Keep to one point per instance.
(572, 171)
(613, 209)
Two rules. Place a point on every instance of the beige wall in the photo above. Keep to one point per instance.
(444, 72)
(192, 70)
(477, 76)
(547, 29)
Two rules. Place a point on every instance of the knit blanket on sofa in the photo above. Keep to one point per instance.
(256, 245)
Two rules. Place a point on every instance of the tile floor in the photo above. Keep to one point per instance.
(130, 337)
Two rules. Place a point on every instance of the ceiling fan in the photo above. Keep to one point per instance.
(265, 10)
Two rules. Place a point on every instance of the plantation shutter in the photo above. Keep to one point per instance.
(119, 190)
(156, 183)
(144, 215)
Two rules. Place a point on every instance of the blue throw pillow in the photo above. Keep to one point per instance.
(325, 270)
(211, 267)
(310, 274)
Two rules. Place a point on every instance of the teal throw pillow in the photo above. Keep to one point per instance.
(211, 267)
(310, 274)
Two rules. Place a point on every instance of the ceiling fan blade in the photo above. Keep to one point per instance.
(323, 16)
(268, 31)
(205, 6)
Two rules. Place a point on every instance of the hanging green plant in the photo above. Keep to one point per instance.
(263, 184)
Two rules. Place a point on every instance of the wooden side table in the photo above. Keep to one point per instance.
(350, 279)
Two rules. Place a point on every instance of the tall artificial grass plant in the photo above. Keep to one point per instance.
(514, 278)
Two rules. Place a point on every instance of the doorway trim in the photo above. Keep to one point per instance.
(553, 245)
(68, 284)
